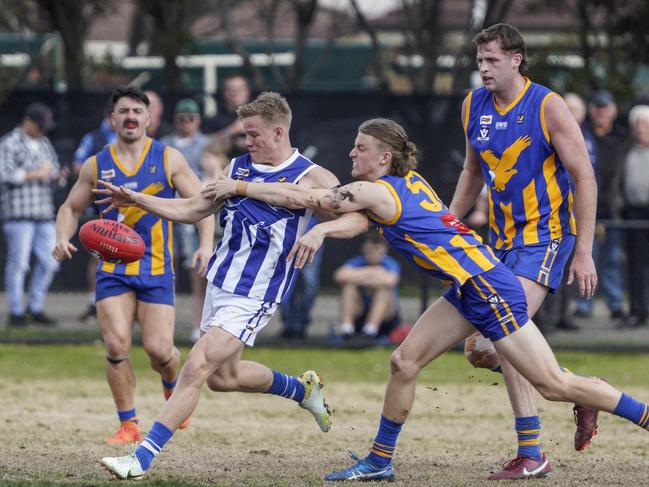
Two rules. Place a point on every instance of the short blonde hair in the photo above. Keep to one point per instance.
(270, 106)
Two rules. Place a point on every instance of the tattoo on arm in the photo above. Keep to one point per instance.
(338, 197)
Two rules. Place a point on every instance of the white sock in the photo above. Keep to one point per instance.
(346, 329)
(370, 329)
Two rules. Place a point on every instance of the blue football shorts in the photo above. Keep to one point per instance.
(493, 302)
(150, 289)
(543, 263)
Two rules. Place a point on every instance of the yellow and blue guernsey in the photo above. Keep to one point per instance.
(425, 232)
(529, 189)
(150, 176)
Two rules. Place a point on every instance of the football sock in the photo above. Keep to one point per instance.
(347, 329)
(129, 416)
(633, 410)
(528, 429)
(152, 444)
(168, 387)
(286, 386)
(385, 443)
(370, 329)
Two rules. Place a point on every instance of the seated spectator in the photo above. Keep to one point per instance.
(370, 300)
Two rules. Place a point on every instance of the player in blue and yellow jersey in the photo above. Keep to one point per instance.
(484, 294)
(142, 290)
(522, 141)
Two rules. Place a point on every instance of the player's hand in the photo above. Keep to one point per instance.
(306, 247)
(200, 260)
(116, 197)
(63, 250)
(582, 268)
(221, 188)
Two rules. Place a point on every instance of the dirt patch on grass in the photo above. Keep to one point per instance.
(456, 435)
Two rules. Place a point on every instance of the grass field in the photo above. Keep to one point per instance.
(56, 409)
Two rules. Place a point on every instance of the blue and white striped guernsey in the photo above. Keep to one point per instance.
(250, 259)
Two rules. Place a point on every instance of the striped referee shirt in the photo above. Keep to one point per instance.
(21, 199)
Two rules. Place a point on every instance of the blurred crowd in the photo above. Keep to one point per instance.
(30, 172)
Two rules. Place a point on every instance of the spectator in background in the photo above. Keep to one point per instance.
(369, 302)
(609, 141)
(636, 195)
(298, 302)
(91, 143)
(29, 167)
(191, 142)
(158, 127)
(226, 126)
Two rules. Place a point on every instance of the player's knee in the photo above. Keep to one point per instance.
(117, 347)
(196, 367)
(402, 365)
(159, 351)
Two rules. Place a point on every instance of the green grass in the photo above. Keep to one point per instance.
(33, 362)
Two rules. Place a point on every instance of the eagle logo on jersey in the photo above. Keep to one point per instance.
(502, 169)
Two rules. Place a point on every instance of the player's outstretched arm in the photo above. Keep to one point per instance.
(67, 218)
(183, 210)
(188, 186)
(356, 196)
(345, 227)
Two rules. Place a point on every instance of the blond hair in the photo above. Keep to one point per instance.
(270, 106)
(394, 138)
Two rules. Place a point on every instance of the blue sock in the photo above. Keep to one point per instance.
(633, 410)
(129, 416)
(169, 385)
(528, 430)
(385, 443)
(286, 386)
(152, 444)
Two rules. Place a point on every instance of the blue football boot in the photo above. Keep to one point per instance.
(363, 469)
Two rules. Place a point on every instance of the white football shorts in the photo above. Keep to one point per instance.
(241, 316)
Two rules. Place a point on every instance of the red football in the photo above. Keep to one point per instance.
(111, 241)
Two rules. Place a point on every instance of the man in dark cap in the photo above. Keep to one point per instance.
(610, 149)
(29, 167)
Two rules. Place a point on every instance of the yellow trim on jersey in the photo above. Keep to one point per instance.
(145, 151)
(467, 111)
(107, 267)
(442, 259)
(424, 263)
(170, 243)
(157, 249)
(510, 229)
(492, 219)
(543, 122)
(573, 223)
(132, 269)
(493, 306)
(472, 252)
(554, 196)
(504, 303)
(503, 111)
(532, 215)
(397, 200)
(166, 166)
(95, 171)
